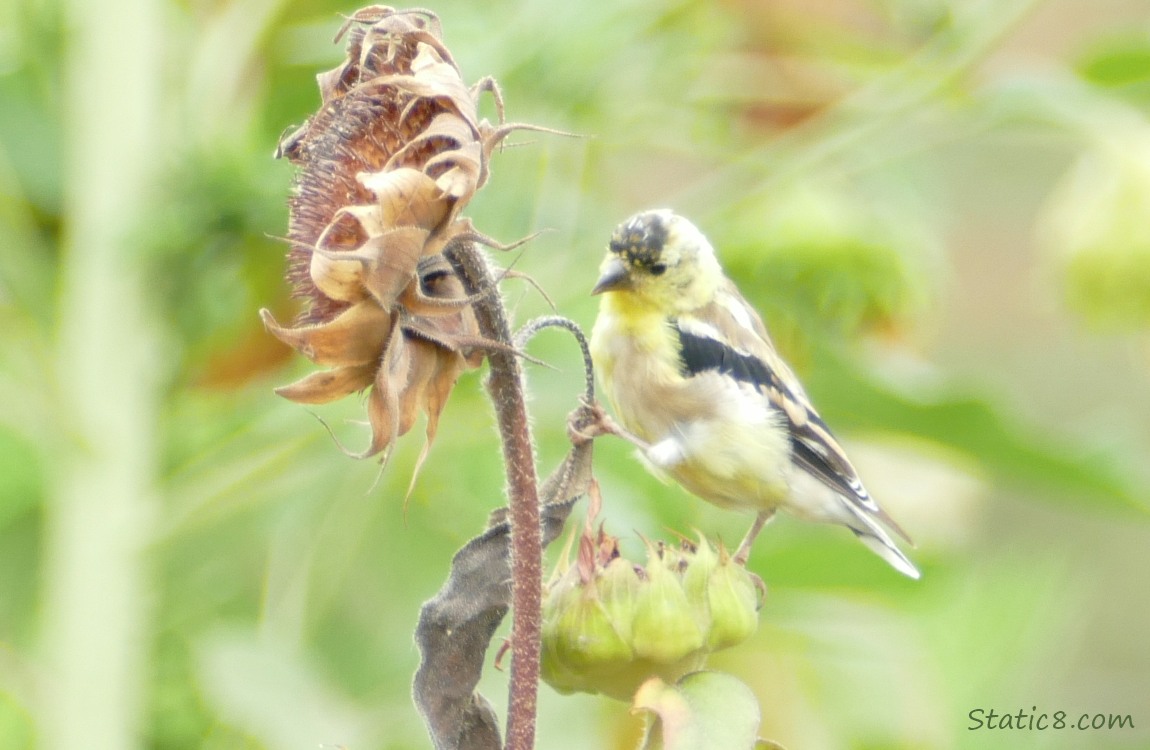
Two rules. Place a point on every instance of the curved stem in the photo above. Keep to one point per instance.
(505, 385)
(525, 334)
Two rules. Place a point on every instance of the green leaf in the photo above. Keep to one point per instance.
(702, 711)
(982, 431)
(1118, 61)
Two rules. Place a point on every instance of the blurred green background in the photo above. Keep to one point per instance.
(942, 208)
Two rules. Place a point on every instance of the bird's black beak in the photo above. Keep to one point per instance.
(613, 278)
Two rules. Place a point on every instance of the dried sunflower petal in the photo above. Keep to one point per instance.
(329, 385)
(353, 337)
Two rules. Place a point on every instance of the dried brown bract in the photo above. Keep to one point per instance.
(385, 167)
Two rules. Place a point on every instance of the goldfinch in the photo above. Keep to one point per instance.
(692, 374)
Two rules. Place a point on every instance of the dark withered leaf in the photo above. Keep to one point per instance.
(456, 626)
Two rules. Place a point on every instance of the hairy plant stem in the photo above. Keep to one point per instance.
(505, 385)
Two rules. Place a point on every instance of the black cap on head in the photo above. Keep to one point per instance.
(639, 241)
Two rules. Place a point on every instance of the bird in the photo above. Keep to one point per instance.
(694, 380)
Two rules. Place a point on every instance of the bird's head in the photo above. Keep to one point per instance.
(660, 258)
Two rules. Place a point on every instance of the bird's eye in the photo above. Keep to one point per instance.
(658, 268)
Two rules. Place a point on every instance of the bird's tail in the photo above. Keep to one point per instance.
(870, 533)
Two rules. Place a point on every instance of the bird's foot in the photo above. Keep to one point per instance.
(591, 420)
(744, 550)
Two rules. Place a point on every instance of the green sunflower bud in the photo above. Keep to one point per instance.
(562, 593)
(618, 586)
(733, 603)
(586, 638)
(608, 625)
(724, 593)
(666, 629)
(697, 576)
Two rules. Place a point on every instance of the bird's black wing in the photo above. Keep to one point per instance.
(698, 354)
(813, 447)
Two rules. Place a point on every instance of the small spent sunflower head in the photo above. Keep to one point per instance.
(384, 168)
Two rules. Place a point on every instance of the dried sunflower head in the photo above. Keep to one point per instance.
(385, 166)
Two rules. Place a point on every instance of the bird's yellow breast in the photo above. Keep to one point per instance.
(635, 356)
(733, 453)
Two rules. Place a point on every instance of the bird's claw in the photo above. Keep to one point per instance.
(591, 420)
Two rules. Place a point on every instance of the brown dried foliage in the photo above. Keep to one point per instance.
(385, 167)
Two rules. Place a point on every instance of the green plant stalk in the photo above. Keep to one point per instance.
(95, 627)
